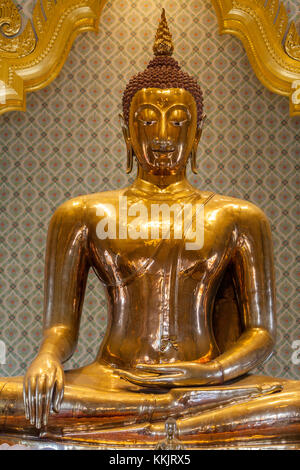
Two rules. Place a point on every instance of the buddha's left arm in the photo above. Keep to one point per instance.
(254, 283)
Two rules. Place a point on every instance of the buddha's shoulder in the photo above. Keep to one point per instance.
(225, 205)
(89, 201)
(236, 207)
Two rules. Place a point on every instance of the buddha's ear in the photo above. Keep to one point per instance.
(129, 148)
(125, 129)
(195, 145)
(199, 131)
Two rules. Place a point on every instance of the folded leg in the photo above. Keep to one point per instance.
(96, 398)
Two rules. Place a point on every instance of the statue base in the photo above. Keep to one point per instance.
(228, 443)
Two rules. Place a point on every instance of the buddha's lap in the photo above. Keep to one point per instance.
(279, 412)
(81, 385)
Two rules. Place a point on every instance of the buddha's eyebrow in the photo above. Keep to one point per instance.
(179, 106)
(174, 106)
(143, 106)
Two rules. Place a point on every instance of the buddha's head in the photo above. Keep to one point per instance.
(171, 428)
(162, 112)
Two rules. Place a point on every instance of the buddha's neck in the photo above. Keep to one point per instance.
(162, 181)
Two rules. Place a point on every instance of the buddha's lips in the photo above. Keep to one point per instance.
(163, 150)
(163, 159)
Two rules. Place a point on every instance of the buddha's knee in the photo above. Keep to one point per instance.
(276, 413)
(282, 406)
(287, 402)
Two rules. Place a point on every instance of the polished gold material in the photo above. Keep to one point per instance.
(261, 26)
(31, 59)
(186, 323)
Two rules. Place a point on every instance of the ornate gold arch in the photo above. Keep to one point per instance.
(32, 58)
(272, 47)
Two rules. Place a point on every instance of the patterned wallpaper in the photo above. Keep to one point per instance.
(69, 142)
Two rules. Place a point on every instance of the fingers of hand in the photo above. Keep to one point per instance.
(146, 380)
(48, 399)
(166, 369)
(25, 398)
(38, 396)
(39, 399)
(31, 398)
(58, 390)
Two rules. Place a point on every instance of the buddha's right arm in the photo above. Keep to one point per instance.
(66, 270)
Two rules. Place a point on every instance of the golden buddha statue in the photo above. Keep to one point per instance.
(187, 320)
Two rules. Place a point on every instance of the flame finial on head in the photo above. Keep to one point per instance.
(163, 44)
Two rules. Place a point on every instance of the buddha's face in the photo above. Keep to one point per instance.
(170, 428)
(163, 128)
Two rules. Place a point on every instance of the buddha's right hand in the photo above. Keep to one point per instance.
(43, 387)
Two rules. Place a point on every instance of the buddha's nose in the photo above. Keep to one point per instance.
(162, 131)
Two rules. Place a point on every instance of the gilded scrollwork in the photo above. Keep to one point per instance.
(18, 46)
(10, 19)
(292, 42)
(273, 52)
(31, 58)
(13, 43)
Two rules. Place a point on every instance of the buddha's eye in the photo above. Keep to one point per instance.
(147, 123)
(178, 123)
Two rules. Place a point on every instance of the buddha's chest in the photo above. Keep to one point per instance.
(165, 245)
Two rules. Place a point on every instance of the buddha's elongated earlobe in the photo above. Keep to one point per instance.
(194, 161)
(129, 148)
(129, 159)
(195, 146)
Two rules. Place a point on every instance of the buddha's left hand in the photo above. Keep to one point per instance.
(176, 374)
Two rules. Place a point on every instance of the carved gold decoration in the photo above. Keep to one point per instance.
(261, 27)
(10, 20)
(292, 43)
(32, 58)
(163, 44)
